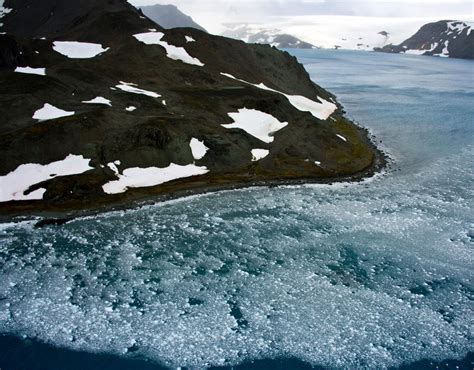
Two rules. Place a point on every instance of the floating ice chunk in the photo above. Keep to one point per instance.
(78, 50)
(14, 184)
(50, 112)
(258, 154)
(321, 110)
(99, 100)
(198, 148)
(32, 71)
(189, 39)
(341, 137)
(130, 108)
(173, 52)
(256, 123)
(130, 87)
(144, 177)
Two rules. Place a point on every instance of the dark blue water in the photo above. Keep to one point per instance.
(377, 274)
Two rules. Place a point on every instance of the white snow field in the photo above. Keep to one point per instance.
(258, 154)
(50, 112)
(144, 177)
(321, 110)
(14, 184)
(256, 123)
(173, 52)
(131, 88)
(78, 50)
(198, 148)
(30, 70)
(99, 100)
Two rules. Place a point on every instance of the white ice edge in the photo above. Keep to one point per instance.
(14, 184)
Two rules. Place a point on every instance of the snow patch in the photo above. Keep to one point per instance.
(198, 148)
(130, 108)
(189, 39)
(14, 184)
(3, 11)
(256, 123)
(130, 87)
(50, 112)
(144, 177)
(258, 154)
(173, 52)
(342, 137)
(321, 110)
(78, 50)
(99, 100)
(32, 71)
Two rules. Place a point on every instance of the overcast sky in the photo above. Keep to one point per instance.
(221, 11)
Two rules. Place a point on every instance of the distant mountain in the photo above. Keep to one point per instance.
(453, 39)
(258, 35)
(169, 16)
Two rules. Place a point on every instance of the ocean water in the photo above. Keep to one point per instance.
(377, 274)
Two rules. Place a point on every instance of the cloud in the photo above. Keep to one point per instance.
(211, 13)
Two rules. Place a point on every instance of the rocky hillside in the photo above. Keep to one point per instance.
(169, 16)
(258, 35)
(101, 106)
(452, 39)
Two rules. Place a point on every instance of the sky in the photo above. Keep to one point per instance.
(210, 13)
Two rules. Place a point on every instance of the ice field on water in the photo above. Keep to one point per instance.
(373, 274)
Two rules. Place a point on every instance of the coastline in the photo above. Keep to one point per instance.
(52, 214)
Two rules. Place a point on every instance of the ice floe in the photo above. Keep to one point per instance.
(173, 52)
(78, 50)
(14, 184)
(50, 112)
(198, 148)
(99, 100)
(256, 123)
(32, 71)
(258, 154)
(144, 177)
(321, 110)
(131, 88)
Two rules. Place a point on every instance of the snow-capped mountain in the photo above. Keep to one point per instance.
(100, 105)
(169, 16)
(255, 34)
(453, 39)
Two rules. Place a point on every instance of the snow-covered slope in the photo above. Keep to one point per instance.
(255, 34)
(331, 31)
(453, 39)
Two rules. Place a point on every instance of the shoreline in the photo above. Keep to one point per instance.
(58, 216)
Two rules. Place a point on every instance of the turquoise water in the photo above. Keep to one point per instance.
(375, 274)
